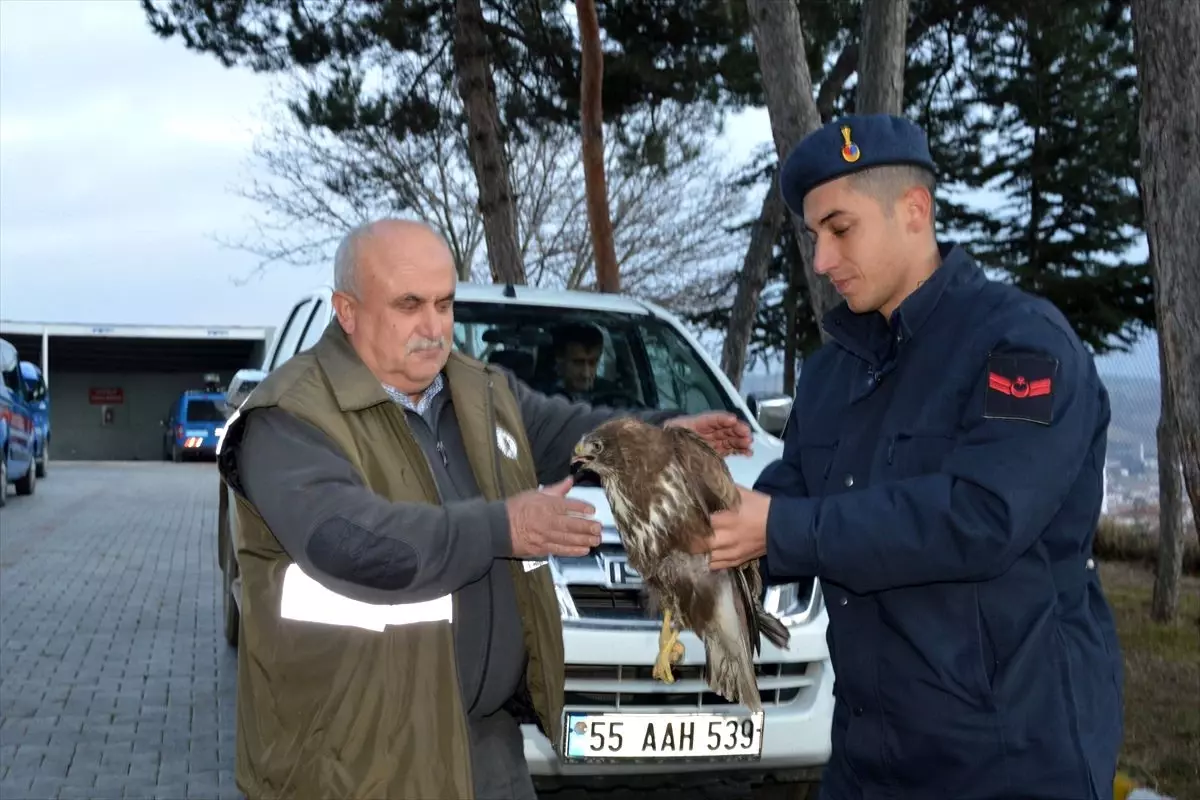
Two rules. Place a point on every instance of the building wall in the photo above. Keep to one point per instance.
(77, 428)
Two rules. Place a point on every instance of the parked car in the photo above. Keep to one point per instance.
(39, 400)
(17, 427)
(649, 359)
(193, 425)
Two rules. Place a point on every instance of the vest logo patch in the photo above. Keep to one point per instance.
(507, 443)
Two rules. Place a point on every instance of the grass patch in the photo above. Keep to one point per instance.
(1162, 682)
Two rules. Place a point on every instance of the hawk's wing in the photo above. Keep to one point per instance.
(714, 484)
(715, 488)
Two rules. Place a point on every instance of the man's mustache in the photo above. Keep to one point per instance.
(420, 343)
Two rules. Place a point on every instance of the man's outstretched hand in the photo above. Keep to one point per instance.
(546, 522)
(723, 431)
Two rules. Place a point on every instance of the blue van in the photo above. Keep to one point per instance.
(17, 429)
(193, 425)
(39, 402)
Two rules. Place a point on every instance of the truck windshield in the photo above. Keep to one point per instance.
(604, 358)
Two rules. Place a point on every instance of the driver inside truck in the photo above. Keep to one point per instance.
(577, 351)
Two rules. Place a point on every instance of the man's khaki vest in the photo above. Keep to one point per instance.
(336, 711)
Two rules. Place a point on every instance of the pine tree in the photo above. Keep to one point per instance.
(1037, 105)
(1033, 101)
(1041, 112)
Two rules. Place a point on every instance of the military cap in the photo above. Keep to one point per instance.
(849, 145)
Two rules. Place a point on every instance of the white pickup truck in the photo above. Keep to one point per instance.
(610, 641)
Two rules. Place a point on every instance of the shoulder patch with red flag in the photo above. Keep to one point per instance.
(1020, 387)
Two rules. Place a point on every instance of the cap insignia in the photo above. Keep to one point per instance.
(850, 151)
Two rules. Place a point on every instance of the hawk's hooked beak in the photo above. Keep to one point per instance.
(581, 459)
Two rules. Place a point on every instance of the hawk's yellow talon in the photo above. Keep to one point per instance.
(664, 635)
(670, 651)
(670, 654)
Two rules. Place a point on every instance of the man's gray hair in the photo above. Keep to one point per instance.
(344, 262)
(887, 183)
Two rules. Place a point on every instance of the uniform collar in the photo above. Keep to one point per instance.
(866, 334)
(916, 309)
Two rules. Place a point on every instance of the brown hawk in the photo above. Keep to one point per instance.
(663, 484)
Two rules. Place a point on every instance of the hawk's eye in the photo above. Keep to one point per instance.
(599, 446)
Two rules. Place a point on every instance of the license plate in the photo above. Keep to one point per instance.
(655, 737)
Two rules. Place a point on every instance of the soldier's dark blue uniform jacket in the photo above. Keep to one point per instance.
(942, 477)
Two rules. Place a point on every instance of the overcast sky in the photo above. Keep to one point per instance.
(119, 157)
(119, 153)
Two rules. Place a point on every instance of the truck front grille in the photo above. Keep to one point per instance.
(617, 686)
(598, 602)
(629, 603)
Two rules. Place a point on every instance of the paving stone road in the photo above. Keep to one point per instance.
(115, 681)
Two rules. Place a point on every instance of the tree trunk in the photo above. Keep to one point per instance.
(1166, 34)
(1164, 605)
(791, 299)
(608, 278)
(881, 63)
(881, 53)
(750, 284)
(497, 206)
(788, 89)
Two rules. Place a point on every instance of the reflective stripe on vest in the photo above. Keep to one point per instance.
(305, 600)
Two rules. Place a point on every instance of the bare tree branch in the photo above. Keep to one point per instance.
(670, 214)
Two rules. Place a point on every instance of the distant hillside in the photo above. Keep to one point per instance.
(1135, 405)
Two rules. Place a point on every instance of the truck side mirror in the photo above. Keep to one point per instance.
(771, 409)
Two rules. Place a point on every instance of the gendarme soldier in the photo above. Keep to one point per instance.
(942, 476)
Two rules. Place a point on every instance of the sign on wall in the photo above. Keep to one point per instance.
(106, 396)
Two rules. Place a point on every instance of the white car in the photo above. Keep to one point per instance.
(620, 722)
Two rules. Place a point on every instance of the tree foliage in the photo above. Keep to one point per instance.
(378, 73)
(710, 306)
(312, 185)
(1039, 111)
(1026, 103)
(1031, 111)
(384, 63)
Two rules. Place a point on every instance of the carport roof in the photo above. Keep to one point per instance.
(141, 348)
(134, 331)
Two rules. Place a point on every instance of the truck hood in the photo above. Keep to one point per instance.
(745, 470)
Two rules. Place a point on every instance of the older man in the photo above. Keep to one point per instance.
(942, 476)
(396, 626)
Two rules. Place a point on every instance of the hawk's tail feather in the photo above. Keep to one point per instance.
(728, 656)
(747, 610)
(756, 619)
(772, 628)
(730, 673)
